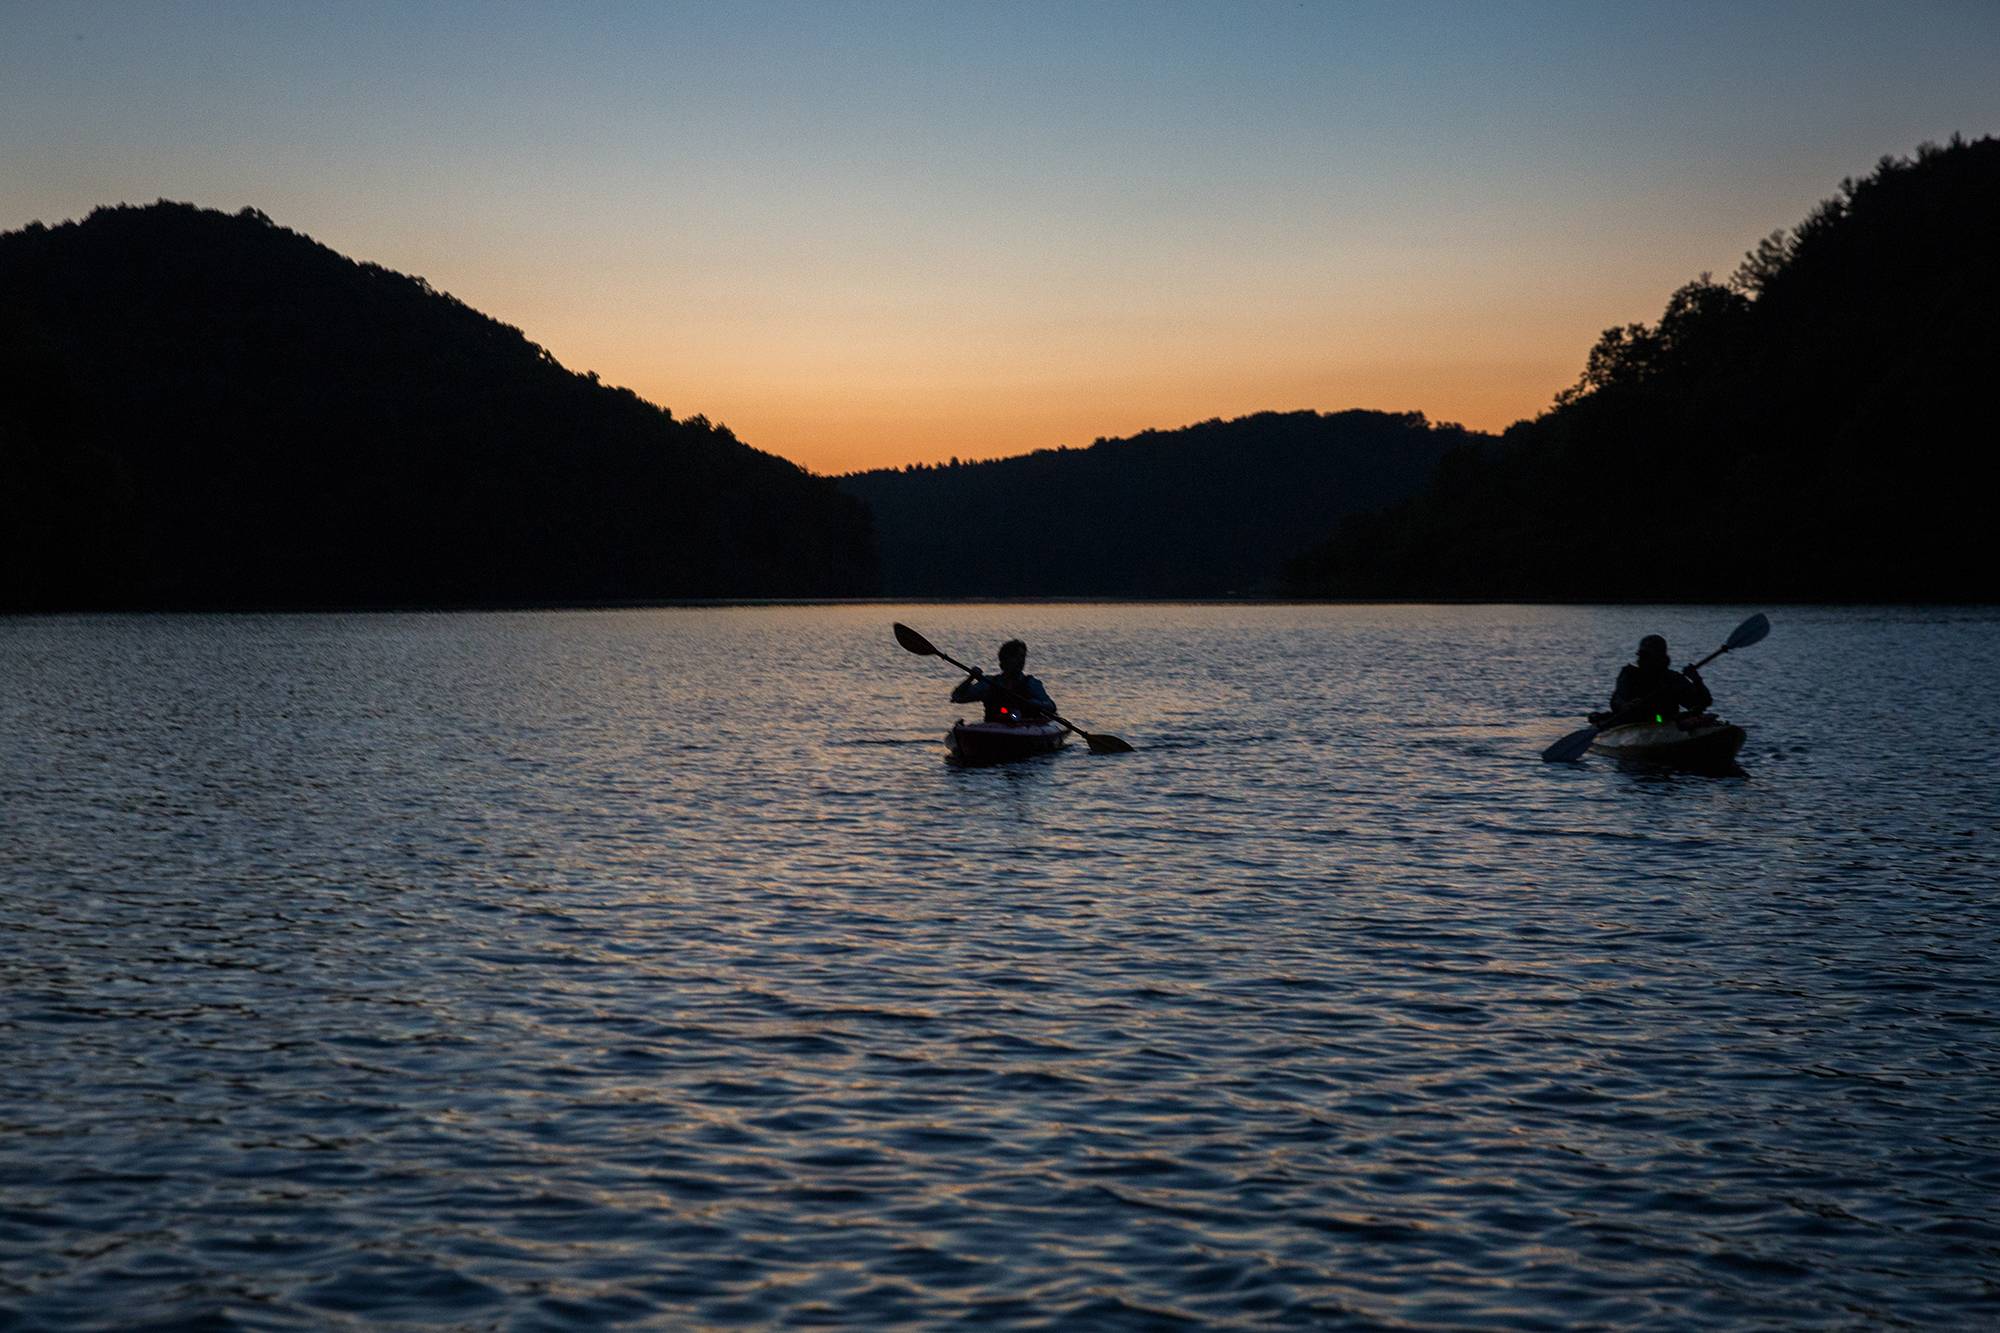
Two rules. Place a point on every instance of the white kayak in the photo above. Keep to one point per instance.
(1701, 740)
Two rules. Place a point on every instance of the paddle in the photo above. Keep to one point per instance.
(918, 644)
(1573, 745)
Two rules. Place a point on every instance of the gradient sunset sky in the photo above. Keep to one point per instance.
(866, 234)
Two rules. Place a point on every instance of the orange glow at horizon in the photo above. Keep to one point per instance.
(865, 235)
(837, 394)
(845, 409)
(914, 349)
(830, 431)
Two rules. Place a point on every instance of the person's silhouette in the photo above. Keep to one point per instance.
(1011, 696)
(1651, 683)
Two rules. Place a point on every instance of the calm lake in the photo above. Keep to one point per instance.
(552, 970)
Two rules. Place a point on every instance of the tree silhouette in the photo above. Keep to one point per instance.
(1206, 511)
(206, 410)
(1804, 431)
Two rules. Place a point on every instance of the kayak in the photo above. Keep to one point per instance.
(996, 742)
(1700, 741)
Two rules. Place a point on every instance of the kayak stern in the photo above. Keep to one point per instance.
(998, 742)
(1701, 741)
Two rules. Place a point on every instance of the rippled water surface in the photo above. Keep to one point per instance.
(584, 969)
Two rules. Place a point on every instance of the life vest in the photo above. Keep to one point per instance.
(1004, 707)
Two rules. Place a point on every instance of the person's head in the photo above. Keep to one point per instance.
(1013, 655)
(1652, 651)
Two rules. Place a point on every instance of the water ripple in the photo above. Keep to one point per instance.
(594, 970)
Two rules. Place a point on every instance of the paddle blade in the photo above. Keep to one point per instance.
(1100, 744)
(1750, 631)
(1570, 747)
(914, 641)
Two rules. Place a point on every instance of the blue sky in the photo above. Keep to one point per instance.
(868, 233)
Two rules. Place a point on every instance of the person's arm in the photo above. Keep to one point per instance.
(1621, 694)
(970, 690)
(1694, 692)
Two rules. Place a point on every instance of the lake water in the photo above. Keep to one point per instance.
(587, 969)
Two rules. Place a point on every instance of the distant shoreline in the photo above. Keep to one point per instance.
(720, 603)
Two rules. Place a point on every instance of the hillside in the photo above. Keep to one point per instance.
(199, 409)
(1210, 510)
(1813, 429)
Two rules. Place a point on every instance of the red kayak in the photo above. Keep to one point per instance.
(997, 742)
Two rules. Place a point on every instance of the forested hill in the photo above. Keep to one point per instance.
(199, 409)
(1812, 429)
(1210, 510)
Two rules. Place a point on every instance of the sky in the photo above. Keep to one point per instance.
(869, 234)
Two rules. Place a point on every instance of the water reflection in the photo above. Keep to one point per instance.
(1645, 771)
(576, 969)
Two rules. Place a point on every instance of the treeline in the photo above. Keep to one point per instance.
(1210, 510)
(199, 409)
(1811, 429)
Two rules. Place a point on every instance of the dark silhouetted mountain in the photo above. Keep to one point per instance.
(207, 410)
(1209, 510)
(1813, 429)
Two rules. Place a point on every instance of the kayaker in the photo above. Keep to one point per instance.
(1651, 682)
(1010, 696)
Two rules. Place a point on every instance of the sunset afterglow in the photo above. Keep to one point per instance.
(869, 234)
